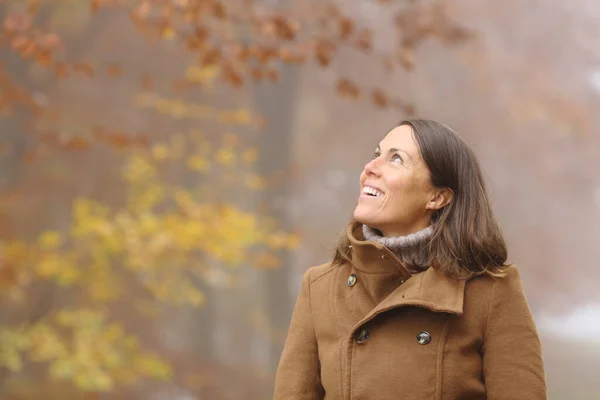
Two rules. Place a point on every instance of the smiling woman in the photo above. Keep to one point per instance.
(418, 301)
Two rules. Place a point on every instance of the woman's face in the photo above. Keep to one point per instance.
(397, 196)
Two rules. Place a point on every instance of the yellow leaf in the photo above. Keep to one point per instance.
(50, 240)
(48, 266)
(160, 152)
(138, 169)
(293, 241)
(225, 156)
(242, 117)
(62, 369)
(204, 74)
(168, 33)
(198, 163)
(153, 366)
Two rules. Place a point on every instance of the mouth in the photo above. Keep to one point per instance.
(369, 191)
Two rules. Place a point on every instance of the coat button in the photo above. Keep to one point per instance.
(351, 280)
(423, 337)
(363, 336)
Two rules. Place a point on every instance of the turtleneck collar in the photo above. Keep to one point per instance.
(399, 244)
(371, 252)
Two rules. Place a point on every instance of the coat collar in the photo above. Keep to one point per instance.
(432, 289)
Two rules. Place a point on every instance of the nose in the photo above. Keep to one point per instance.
(372, 167)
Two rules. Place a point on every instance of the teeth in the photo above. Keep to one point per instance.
(372, 191)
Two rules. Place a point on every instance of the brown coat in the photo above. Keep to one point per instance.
(391, 335)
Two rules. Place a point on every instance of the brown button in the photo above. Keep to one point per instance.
(363, 336)
(423, 338)
(351, 280)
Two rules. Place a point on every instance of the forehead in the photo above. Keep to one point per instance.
(401, 138)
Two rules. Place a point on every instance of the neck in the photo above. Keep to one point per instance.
(410, 249)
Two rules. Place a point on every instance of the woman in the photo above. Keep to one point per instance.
(418, 302)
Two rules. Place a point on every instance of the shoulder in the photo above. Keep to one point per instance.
(318, 272)
(483, 292)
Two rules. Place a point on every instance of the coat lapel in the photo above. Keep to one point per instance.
(432, 289)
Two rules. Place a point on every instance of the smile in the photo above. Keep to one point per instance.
(370, 191)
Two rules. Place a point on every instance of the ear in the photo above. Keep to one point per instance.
(440, 199)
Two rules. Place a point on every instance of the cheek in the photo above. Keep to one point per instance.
(399, 184)
(407, 188)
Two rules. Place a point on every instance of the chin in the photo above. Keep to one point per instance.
(363, 217)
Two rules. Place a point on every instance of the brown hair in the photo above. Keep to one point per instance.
(467, 240)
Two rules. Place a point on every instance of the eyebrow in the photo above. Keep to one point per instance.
(394, 150)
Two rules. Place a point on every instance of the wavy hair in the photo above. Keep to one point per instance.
(467, 240)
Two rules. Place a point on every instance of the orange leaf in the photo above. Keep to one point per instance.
(29, 49)
(33, 8)
(85, 68)
(17, 23)
(380, 98)
(76, 143)
(456, 34)
(201, 33)
(147, 82)
(97, 4)
(364, 40)
(289, 56)
(44, 58)
(265, 54)
(114, 70)
(232, 76)
(347, 88)
(8, 275)
(19, 42)
(346, 27)
(406, 56)
(284, 29)
(61, 70)
(211, 57)
(323, 52)
(219, 10)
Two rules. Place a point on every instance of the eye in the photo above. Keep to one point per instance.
(375, 155)
(397, 158)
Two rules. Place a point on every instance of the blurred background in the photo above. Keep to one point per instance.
(170, 168)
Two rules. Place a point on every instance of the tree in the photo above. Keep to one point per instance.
(173, 211)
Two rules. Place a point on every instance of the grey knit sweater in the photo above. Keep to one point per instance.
(411, 249)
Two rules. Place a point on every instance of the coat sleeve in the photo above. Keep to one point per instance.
(512, 355)
(299, 374)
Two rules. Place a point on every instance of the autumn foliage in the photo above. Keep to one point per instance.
(176, 220)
